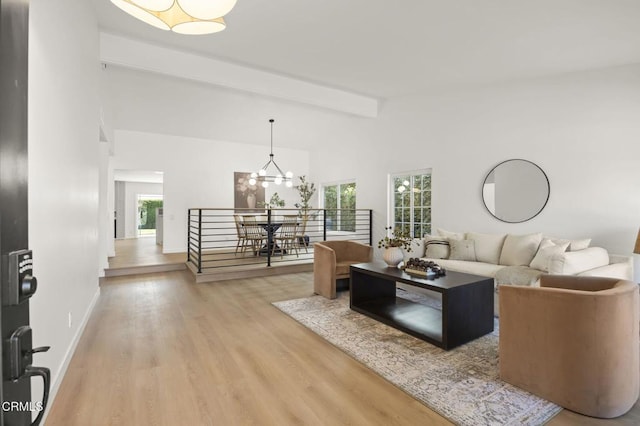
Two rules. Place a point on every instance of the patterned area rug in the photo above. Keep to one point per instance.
(462, 384)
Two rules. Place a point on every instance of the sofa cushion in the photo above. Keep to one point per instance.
(574, 245)
(450, 235)
(462, 250)
(575, 262)
(476, 268)
(519, 250)
(488, 246)
(518, 275)
(546, 250)
(436, 247)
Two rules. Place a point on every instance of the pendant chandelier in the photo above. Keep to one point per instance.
(181, 16)
(264, 175)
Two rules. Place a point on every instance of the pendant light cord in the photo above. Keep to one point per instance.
(271, 121)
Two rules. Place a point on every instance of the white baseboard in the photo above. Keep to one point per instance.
(55, 383)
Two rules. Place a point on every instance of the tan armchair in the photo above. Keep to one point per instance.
(331, 262)
(573, 341)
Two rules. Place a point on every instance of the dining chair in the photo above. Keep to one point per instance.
(253, 234)
(241, 233)
(287, 235)
(301, 234)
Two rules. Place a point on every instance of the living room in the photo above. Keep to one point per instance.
(570, 106)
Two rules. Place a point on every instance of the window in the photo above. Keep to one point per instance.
(411, 202)
(340, 202)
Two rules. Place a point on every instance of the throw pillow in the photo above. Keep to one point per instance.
(519, 250)
(487, 246)
(547, 249)
(579, 244)
(417, 248)
(462, 250)
(436, 247)
(450, 235)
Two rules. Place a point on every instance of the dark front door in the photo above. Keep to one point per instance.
(16, 281)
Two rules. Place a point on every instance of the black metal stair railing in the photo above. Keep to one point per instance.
(226, 238)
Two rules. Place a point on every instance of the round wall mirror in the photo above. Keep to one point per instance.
(515, 191)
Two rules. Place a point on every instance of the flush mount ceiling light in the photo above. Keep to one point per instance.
(264, 176)
(192, 17)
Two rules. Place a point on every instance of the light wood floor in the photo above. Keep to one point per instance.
(142, 251)
(160, 349)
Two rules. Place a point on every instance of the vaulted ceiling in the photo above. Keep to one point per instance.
(383, 49)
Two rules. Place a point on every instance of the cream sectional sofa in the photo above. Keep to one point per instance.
(521, 259)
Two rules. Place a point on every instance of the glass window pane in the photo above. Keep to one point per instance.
(347, 207)
(417, 215)
(406, 215)
(398, 214)
(426, 198)
(331, 204)
(416, 197)
(406, 226)
(426, 216)
(397, 199)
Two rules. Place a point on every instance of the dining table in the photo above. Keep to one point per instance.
(271, 247)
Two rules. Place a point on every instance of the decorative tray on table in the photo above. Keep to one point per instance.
(423, 268)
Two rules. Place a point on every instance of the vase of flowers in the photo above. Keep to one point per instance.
(394, 245)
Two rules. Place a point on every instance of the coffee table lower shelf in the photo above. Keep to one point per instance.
(421, 321)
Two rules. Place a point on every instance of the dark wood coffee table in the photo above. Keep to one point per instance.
(467, 303)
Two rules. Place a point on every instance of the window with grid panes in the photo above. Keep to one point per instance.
(411, 204)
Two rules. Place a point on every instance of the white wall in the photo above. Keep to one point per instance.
(582, 129)
(63, 175)
(106, 196)
(197, 173)
(103, 208)
(152, 103)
